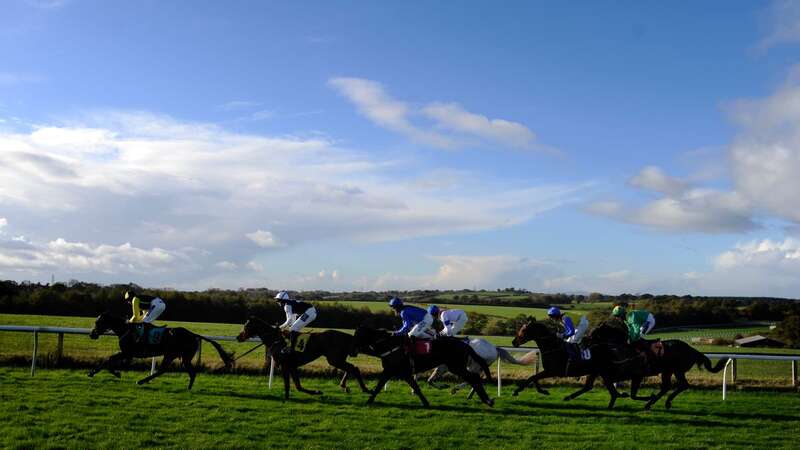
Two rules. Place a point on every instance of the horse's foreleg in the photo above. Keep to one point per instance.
(162, 368)
(535, 380)
(343, 382)
(285, 373)
(378, 387)
(682, 386)
(612, 392)
(475, 381)
(108, 363)
(666, 385)
(636, 383)
(587, 386)
(415, 387)
(296, 377)
(439, 371)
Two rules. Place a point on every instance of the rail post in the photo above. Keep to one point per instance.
(60, 348)
(499, 380)
(725, 379)
(35, 351)
(153, 366)
(794, 373)
(271, 371)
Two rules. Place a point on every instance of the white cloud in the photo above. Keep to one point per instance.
(654, 179)
(264, 239)
(255, 267)
(238, 105)
(168, 184)
(78, 257)
(782, 21)
(461, 125)
(453, 117)
(226, 265)
(783, 256)
(3, 224)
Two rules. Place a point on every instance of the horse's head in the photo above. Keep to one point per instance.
(365, 338)
(257, 327)
(530, 330)
(103, 323)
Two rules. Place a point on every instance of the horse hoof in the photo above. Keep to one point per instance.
(453, 391)
(490, 403)
(515, 393)
(567, 398)
(90, 375)
(545, 392)
(140, 382)
(668, 405)
(623, 395)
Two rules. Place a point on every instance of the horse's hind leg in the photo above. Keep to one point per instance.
(535, 380)
(682, 386)
(636, 383)
(187, 365)
(161, 369)
(439, 371)
(349, 369)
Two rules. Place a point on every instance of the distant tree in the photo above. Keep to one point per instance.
(788, 330)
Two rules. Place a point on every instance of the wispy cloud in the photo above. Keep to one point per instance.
(13, 78)
(449, 125)
(239, 105)
(781, 21)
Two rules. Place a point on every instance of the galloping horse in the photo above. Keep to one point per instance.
(332, 344)
(174, 343)
(556, 363)
(677, 358)
(490, 353)
(452, 352)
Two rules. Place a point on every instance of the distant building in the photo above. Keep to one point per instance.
(758, 341)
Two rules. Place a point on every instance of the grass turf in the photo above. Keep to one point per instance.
(65, 409)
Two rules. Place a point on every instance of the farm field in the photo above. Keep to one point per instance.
(65, 409)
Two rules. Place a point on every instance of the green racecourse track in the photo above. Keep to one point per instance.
(64, 409)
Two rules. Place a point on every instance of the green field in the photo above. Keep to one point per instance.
(15, 347)
(65, 409)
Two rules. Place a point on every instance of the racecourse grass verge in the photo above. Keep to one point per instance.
(65, 409)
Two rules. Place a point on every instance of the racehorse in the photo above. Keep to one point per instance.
(174, 343)
(668, 357)
(556, 362)
(490, 353)
(397, 362)
(333, 345)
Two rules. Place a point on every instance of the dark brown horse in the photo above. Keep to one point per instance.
(670, 357)
(454, 353)
(333, 345)
(556, 362)
(174, 343)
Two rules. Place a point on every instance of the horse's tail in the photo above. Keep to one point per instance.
(226, 357)
(526, 359)
(705, 362)
(481, 362)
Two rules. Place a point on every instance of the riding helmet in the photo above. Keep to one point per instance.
(282, 295)
(554, 312)
(433, 310)
(395, 302)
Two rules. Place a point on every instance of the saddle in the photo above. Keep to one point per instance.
(575, 352)
(418, 347)
(149, 334)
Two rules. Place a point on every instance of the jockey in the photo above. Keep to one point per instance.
(294, 308)
(146, 308)
(452, 319)
(640, 322)
(562, 319)
(416, 321)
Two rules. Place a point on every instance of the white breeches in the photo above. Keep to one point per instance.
(453, 328)
(648, 325)
(157, 306)
(422, 329)
(304, 319)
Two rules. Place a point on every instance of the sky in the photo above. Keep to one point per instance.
(614, 147)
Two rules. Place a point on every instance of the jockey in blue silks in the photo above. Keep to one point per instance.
(416, 321)
(562, 319)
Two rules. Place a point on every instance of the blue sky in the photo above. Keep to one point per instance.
(604, 146)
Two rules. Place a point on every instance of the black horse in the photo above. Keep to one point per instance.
(454, 353)
(174, 343)
(668, 358)
(333, 345)
(556, 362)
